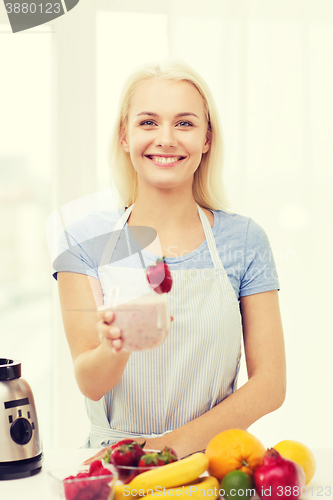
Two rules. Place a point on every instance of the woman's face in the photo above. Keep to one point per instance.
(166, 133)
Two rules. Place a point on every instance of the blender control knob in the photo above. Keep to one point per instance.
(21, 431)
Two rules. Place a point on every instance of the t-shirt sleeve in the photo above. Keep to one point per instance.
(75, 253)
(260, 271)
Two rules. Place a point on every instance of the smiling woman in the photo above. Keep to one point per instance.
(166, 159)
(165, 140)
(191, 90)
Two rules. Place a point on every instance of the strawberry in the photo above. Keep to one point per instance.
(123, 441)
(119, 443)
(95, 466)
(124, 457)
(150, 460)
(80, 490)
(97, 469)
(105, 472)
(104, 493)
(86, 494)
(71, 489)
(157, 459)
(170, 453)
(159, 276)
(107, 455)
(89, 489)
(127, 454)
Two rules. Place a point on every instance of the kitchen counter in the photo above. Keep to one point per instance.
(37, 487)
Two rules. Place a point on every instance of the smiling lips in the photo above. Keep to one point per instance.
(165, 160)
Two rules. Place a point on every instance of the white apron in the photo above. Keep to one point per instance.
(194, 369)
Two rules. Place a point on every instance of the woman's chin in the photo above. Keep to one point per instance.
(169, 184)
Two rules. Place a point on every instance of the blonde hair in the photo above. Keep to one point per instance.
(207, 188)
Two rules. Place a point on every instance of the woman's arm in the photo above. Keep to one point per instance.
(263, 393)
(97, 368)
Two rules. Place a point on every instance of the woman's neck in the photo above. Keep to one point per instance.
(164, 211)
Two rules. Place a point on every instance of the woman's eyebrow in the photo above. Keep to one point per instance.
(149, 113)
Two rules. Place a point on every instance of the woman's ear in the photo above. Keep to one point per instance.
(123, 139)
(124, 143)
(206, 145)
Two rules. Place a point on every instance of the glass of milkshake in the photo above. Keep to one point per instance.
(144, 319)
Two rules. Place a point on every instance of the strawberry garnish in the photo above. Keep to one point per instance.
(159, 276)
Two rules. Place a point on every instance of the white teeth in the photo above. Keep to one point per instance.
(163, 159)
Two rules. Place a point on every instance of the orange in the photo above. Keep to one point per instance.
(299, 453)
(234, 449)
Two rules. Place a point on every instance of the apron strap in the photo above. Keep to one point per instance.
(210, 239)
(112, 241)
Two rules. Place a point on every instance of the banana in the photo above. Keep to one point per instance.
(123, 492)
(119, 493)
(195, 491)
(175, 474)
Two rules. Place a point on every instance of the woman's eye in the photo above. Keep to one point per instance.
(149, 123)
(185, 124)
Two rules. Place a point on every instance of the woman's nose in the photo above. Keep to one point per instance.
(165, 137)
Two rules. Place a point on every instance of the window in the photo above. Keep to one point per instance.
(124, 40)
(25, 202)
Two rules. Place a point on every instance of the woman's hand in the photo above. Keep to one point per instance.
(98, 456)
(108, 333)
(149, 444)
(97, 369)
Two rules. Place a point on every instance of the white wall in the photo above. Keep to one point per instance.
(268, 65)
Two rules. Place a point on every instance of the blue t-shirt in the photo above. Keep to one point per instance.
(242, 244)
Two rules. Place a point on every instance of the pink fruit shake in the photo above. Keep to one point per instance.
(144, 322)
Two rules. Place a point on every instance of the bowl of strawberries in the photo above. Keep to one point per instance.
(128, 459)
(95, 483)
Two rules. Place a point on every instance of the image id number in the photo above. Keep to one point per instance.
(320, 491)
(32, 8)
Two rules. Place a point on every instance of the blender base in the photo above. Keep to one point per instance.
(21, 468)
